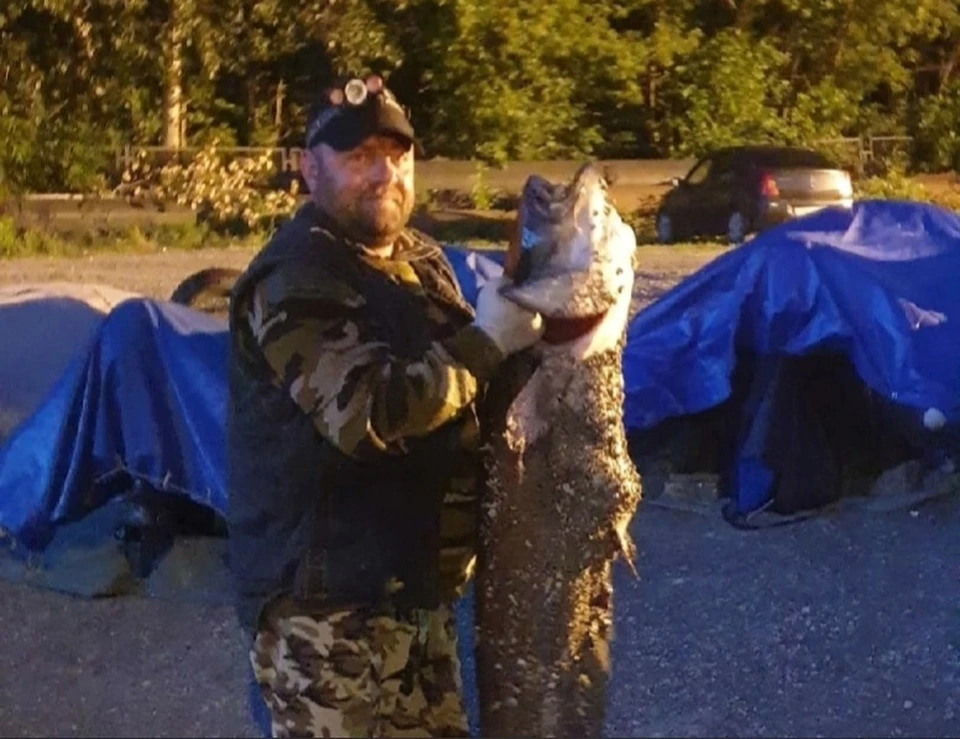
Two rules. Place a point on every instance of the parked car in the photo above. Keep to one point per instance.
(736, 191)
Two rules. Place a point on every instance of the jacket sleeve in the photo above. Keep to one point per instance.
(315, 336)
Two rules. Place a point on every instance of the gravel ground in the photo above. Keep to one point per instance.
(154, 274)
(845, 625)
(131, 667)
(840, 626)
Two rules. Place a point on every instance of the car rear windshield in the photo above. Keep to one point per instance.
(789, 158)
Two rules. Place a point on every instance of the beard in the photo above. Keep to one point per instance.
(372, 216)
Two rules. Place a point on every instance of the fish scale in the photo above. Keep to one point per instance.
(560, 492)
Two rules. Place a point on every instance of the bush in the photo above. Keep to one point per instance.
(642, 221)
(937, 139)
(230, 197)
(23, 242)
(16, 242)
(49, 154)
(894, 185)
(9, 241)
(480, 193)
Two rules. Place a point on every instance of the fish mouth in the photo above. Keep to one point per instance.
(571, 303)
(570, 254)
(565, 330)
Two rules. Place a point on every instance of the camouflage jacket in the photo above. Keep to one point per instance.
(352, 430)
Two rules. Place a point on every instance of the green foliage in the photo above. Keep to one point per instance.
(15, 242)
(642, 221)
(25, 242)
(9, 240)
(480, 193)
(492, 81)
(938, 130)
(512, 80)
(43, 152)
(894, 185)
(729, 92)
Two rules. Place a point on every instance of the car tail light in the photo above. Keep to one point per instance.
(768, 186)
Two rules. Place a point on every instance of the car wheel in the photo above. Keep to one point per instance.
(737, 228)
(665, 233)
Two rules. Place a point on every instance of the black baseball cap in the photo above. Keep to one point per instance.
(352, 109)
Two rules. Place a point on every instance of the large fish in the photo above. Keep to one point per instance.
(561, 488)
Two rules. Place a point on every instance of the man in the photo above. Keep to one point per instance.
(355, 371)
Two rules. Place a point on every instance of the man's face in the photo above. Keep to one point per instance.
(367, 190)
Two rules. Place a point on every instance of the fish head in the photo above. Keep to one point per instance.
(571, 258)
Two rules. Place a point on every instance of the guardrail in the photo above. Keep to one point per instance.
(855, 153)
(441, 174)
(631, 177)
(865, 149)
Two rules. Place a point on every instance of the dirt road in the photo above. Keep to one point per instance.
(845, 625)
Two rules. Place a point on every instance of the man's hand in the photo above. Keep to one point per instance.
(511, 327)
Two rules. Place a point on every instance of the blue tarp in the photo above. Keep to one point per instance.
(878, 284)
(146, 396)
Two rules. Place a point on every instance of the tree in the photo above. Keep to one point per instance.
(491, 79)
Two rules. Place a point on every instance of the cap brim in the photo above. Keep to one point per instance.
(353, 126)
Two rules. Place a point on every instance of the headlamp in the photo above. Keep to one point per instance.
(355, 91)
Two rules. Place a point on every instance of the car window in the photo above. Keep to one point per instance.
(790, 158)
(700, 172)
(722, 168)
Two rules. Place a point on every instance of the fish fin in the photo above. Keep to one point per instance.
(525, 421)
(548, 295)
(628, 556)
(629, 550)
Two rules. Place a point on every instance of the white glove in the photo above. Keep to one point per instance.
(511, 327)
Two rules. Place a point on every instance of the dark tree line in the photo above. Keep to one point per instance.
(487, 79)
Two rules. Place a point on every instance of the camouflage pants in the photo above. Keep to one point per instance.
(353, 674)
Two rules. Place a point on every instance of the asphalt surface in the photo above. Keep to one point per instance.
(847, 625)
(840, 626)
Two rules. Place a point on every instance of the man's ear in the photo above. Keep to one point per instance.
(309, 168)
